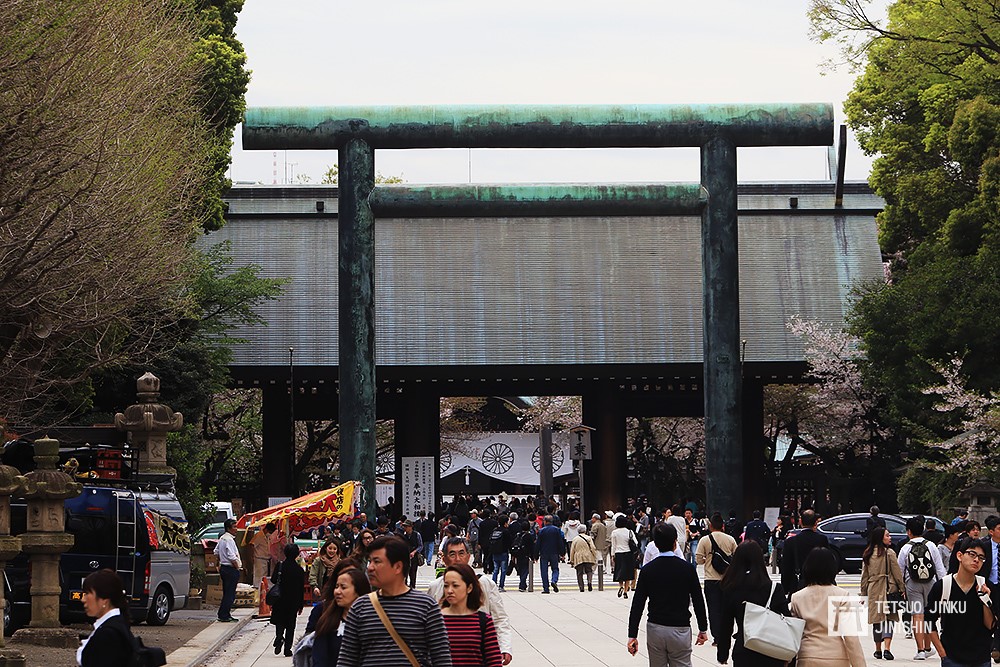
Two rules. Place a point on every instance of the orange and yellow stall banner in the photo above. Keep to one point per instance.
(307, 512)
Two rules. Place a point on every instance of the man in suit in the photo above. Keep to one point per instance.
(549, 549)
(797, 548)
(991, 544)
(757, 531)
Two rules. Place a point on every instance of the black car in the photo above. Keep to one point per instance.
(848, 536)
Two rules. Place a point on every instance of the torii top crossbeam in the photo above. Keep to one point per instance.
(555, 126)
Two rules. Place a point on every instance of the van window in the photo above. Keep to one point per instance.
(94, 533)
(166, 507)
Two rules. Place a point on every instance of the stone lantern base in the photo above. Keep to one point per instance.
(55, 637)
(11, 658)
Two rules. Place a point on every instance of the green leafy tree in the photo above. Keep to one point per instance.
(332, 176)
(222, 95)
(927, 103)
(221, 438)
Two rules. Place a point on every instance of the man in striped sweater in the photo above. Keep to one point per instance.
(415, 616)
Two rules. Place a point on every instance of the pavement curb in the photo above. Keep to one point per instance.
(217, 644)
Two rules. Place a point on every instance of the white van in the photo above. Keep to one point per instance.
(220, 511)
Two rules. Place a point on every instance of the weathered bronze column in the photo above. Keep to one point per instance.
(148, 423)
(356, 284)
(46, 489)
(720, 264)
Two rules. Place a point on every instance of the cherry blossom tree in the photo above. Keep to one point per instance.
(972, 449)
(842, 414)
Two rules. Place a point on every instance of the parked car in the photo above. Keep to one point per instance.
(938, 523)
(212, 531)
(848, 536)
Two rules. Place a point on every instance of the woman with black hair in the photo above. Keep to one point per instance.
(881, 578)
(472, 636)
(291, 596)
(823, 645)
(111, 644)
(346, 585)
(746, 580)
(624, 544)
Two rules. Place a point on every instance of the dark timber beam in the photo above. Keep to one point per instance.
(575, 199)
(597, 126)
(277, 451)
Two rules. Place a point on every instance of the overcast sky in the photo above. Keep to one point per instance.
(400, 52)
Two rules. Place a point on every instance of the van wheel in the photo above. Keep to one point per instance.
(159, 610)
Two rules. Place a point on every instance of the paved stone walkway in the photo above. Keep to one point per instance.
(565, 629)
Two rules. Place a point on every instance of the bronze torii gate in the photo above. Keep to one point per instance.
(716, 129)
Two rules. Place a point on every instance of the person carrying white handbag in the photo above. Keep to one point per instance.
(747, 591)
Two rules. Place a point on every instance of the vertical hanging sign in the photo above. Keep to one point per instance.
(419, 477)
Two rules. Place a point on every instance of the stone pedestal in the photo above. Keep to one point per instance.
(148, 423)
(45, 540)
(11, 658)
(11, 483)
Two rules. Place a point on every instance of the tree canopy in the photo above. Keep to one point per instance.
(927, 104)
(114, 144)
(102, 148)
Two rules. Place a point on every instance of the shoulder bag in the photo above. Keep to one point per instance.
(274, 592)
(373, 596)
(720, 559)
(769, 633)
(894, 598)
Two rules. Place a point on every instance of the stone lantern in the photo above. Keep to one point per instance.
(11, 484)
(46, 489)
(148, 423)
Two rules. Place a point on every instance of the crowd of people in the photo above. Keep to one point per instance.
(369, 612)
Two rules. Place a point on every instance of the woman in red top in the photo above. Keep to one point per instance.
(471, 634)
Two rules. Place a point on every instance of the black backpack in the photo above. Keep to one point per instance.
(517, 548)
(496, 541)
(147, 656)
(720, 560)
(142, 655)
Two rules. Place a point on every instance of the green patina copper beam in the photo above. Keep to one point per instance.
(576, 199)
(596, 126)
(723, 389)
(356, 310)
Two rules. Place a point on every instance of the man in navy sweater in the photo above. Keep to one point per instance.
(671, 585)
(550, 545)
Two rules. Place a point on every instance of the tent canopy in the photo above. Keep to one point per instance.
(306, 512)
